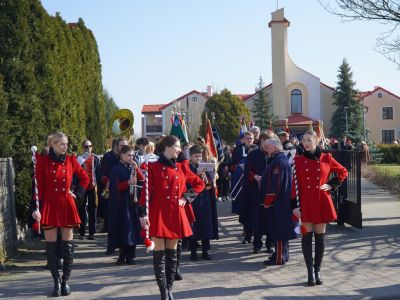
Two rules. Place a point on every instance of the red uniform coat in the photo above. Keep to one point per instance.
(166, 186)
(316, 205)
(54, 179)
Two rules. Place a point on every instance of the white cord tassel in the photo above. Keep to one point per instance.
(36, 195)
(148, 242)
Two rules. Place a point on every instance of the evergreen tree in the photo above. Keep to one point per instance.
(5, 137)
(228, 109)
(110, 108)
(262, 107)
(346, 104)
(51, 80)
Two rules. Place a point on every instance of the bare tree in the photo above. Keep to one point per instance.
(387, 12)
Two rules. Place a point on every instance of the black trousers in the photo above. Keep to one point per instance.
(205, 244)
(88, 211)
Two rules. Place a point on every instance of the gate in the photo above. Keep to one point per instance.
(347, 198)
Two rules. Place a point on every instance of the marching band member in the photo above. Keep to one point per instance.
(54, 173)
(205, 226)
(123, 177)
(166, 217)
(276, 190)
(110, 159)
(90, 162)
(252, 215)
(313, 170)
(239, 154)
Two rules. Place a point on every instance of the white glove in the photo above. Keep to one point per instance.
(36, 215)
(144, 222)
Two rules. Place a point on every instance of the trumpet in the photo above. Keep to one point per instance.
(133, 188)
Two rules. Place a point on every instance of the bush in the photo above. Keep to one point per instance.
(390, 153)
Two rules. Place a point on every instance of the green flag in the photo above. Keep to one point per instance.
(178, 130)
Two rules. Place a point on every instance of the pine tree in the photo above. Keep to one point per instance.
(262, 107)
(346, 104)
(5, 137)
(228, 109)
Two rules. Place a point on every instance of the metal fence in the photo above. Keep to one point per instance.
(348, 197)
(8, 228)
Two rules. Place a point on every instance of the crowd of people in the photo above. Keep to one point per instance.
(169, 192)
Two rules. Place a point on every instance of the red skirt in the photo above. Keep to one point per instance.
(61, 212)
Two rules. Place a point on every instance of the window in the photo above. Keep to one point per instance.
(387, 113)
(388, 136)
(296, 101)
(194, 99)
(379, 95)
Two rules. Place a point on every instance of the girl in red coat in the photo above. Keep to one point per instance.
(313, 170)
(54, 173)
(166, 216)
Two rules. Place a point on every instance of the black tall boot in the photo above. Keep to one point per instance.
(306, 246)
(52, 265)
(319, 254)
(170, 269)
(68, 248)
(178, 274)
(159, 272)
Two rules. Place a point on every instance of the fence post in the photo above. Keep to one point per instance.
(11, 203)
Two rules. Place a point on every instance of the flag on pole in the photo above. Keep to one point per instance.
(287, 127)
(177, 128)
(320, 134)
(242, 130)
(209, 139)
(218, 143)
(270, 125)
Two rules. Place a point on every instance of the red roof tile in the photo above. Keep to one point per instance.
(296, 119)
(153, 108)
(366, 94)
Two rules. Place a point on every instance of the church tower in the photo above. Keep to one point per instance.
(279, 25)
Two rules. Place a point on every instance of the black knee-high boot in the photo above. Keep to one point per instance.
(159, 272)
(178, 274)
(68, 248)
(306, 246)
(319, 254)
(51, 248)
(170, 269)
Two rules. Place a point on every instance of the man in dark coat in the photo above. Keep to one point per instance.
(252, 215)
(239, 153)
(276, 189)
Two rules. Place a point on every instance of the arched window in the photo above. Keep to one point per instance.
(295, 101)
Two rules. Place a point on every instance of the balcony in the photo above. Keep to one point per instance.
(153, 129)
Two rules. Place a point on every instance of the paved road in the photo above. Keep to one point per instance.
(359, 264)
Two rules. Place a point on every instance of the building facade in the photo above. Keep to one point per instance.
(298, 97)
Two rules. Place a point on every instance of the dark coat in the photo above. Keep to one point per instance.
(252, 213)
(123, 223)
(205, 212)
(276, 192)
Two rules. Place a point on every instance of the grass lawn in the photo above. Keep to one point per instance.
(387, 175)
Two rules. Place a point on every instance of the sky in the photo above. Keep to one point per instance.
(155, 51)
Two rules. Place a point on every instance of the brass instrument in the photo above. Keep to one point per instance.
(122, 123)
(133, 188)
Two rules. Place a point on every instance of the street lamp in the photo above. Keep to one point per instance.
(347, 124)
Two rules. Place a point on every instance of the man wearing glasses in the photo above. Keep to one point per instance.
(87, 210)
